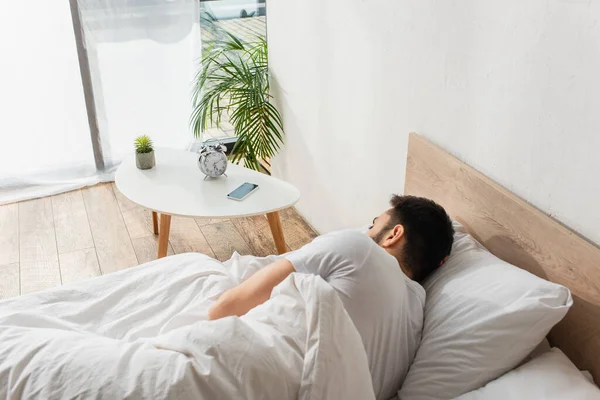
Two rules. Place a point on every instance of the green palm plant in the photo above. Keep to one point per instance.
(234, 80)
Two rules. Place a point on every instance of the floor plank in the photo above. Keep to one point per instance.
(208, 221)
(9, 281)
(78, 265)
(71, 222)
(257, 233)
(224, 239)
(139, 223)
(146, 248)
(36, 214)
(186, 236)
(39, 275)
(296, 231)
(9, 234)
(111, 238)
(37, 246)
(125, 204)
(138, 219)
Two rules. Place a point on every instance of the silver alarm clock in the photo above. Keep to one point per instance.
(212, 160)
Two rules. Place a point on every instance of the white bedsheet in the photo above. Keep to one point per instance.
(143, 333)
(550, 376)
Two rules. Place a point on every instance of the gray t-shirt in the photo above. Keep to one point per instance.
(384, 304)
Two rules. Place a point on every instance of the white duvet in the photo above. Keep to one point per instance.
(143, 333)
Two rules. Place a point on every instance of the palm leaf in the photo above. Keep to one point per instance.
(233, 79)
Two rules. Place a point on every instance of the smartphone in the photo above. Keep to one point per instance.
(242, 191)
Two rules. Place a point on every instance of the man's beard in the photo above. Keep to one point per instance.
(380, 235)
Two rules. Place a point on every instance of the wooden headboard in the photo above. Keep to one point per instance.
(520, 234)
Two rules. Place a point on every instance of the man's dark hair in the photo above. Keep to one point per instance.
(428, 231)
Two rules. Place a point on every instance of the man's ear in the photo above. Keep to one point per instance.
(394, 236)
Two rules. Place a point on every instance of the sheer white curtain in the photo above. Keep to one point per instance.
(142, 54)
(45, 139)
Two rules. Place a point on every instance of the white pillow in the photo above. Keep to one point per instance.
(482, 316)
(550, 376)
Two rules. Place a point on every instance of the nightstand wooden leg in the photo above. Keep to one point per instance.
(277, 231)
(155, 222)
(163, 235)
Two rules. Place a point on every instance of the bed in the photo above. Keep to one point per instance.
(142, 332)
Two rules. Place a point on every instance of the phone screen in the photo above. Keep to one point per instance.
(242, 191)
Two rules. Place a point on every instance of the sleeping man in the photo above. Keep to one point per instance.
(376, 276)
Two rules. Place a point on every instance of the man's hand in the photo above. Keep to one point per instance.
(252, 292)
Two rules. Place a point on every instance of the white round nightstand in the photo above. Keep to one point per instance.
(175, 186)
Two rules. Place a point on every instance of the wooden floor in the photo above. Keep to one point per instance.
(77, 235)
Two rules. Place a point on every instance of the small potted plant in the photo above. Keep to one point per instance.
(144, 152)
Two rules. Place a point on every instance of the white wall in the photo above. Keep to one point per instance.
(510, 87)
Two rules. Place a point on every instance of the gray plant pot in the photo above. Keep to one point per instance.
(145, 160)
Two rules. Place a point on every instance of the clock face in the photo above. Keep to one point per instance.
(213, 164)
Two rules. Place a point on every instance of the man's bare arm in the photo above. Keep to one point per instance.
(252, 292)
